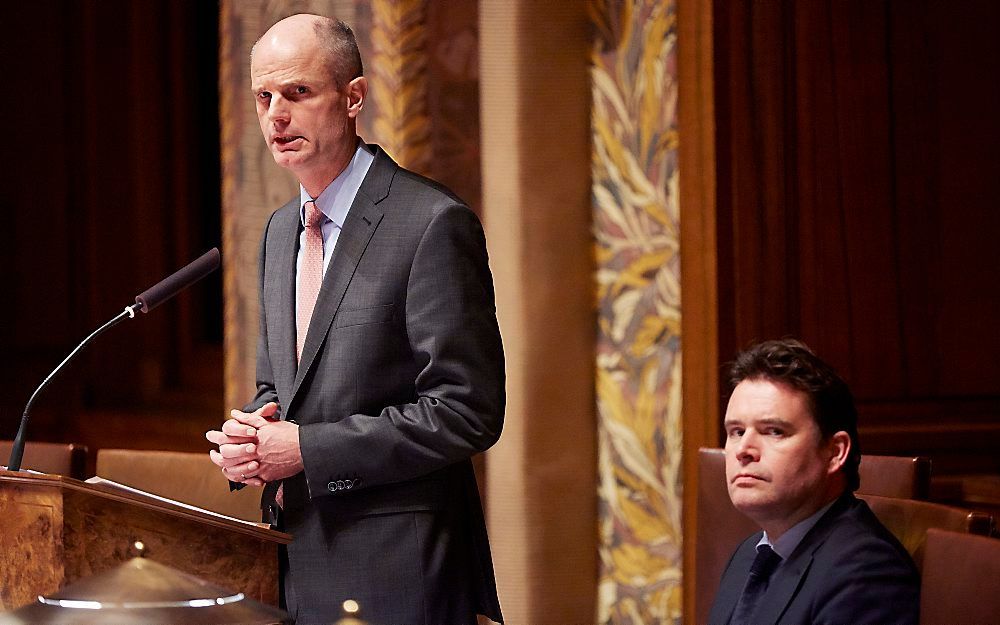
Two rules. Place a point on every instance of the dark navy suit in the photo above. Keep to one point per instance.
(848, 570)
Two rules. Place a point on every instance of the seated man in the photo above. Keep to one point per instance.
(792, 461)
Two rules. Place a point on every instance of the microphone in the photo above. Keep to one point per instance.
(178, 281)
(145, 301)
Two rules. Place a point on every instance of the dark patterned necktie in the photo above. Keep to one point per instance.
(760, 571)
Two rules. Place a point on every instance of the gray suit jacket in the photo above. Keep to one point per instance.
(401, 381)
(848, 569)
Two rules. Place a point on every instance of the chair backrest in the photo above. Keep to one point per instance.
(66, 459)
(960, 580)
(191, 478)
(909, 521)
(902, 477)
(721, 527)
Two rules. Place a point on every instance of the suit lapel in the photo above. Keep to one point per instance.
(359, 227)
(283, 314)
(789, 576)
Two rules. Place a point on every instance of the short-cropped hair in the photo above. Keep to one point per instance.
(792, 363)
(343, 56)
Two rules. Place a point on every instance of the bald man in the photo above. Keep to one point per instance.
(380, 369)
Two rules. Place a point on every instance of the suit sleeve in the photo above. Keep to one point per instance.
(451, 328)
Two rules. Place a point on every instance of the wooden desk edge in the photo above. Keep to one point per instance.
(109, 492)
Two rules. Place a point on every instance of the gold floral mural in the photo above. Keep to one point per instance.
(634, 161)
(398, 74)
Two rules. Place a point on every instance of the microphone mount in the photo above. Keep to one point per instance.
(17, 450)
(145, 301)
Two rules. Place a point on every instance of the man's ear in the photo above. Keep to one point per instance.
(839, 447)
(357, 91)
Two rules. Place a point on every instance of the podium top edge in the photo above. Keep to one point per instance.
(62, 482)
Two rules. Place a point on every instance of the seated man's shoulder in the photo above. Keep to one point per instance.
(858, 560)
(860, 570)
(858, 534)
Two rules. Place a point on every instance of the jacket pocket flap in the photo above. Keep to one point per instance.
(361, 316)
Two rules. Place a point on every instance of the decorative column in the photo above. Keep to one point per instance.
(636, 226)
(536, 207)
(397, 73)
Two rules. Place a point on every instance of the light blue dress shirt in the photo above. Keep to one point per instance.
(334, 202)
(785, 545)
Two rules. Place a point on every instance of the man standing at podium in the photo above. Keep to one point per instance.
(380, 369)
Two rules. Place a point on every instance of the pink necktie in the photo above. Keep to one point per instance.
(310, 281)
(310, 274)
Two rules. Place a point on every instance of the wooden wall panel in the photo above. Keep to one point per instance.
(845, 228)
(699, 267)
(838, 176)
(855, 186)
(948, 165)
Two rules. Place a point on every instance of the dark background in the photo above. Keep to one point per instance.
(110, 182)
(857, 180)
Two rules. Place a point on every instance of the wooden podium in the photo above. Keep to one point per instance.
(55, 530)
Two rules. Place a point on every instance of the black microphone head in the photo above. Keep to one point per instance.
(179, 280)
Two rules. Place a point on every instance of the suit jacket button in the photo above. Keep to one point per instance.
(332, 486)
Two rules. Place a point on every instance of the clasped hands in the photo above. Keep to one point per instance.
(255, 449)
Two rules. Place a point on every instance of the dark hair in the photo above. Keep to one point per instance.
(792, 363)
(343, 55)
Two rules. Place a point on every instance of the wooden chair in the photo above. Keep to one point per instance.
(66, 459)
(960, 579)
(191, 478)
(895, 476)
(909, 521)
(721, 527)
